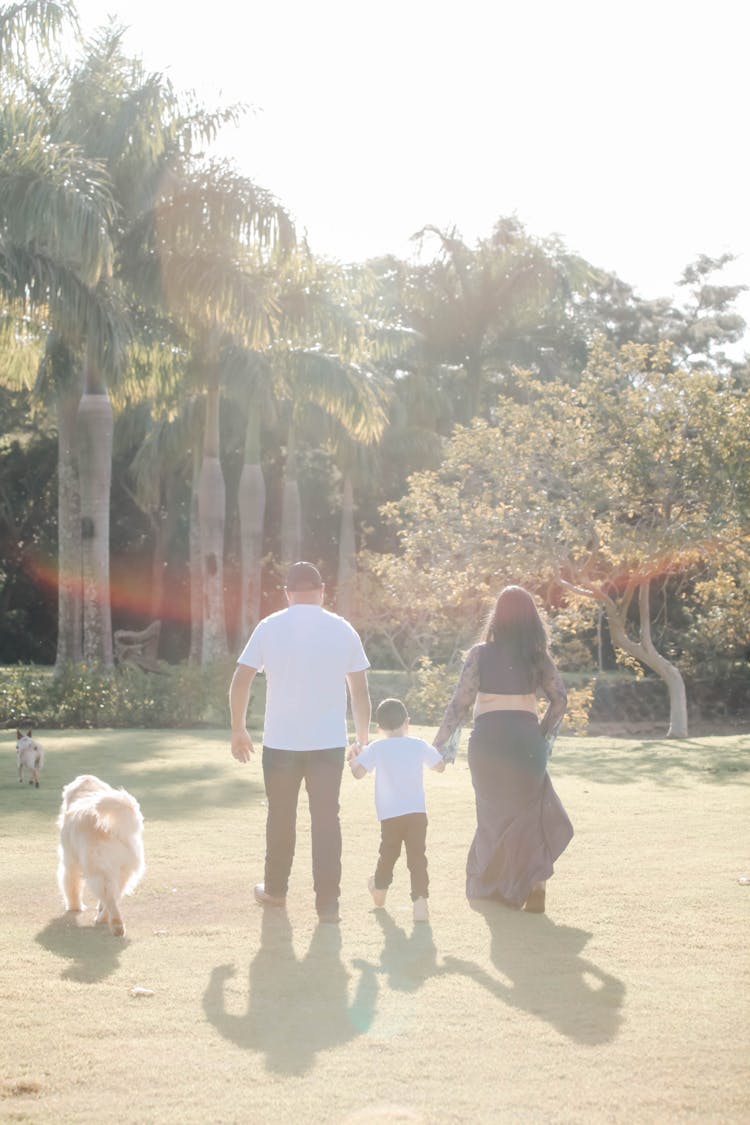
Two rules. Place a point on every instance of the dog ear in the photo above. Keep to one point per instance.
(19, 734)
(28, 733)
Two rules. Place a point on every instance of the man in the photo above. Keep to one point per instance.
(309, 656)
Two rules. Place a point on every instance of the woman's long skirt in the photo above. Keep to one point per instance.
(522, 826)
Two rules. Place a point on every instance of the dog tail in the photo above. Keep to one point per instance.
(119, 812)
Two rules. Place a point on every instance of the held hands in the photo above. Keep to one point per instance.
(450, 749)
(242, 745)
(354, 750)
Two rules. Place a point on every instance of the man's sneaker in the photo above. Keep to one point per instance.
(378, 896)
(421, 910)
(264, 899)
(329, 914)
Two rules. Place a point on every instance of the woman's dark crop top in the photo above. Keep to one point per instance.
(489, 668)
(499, 676)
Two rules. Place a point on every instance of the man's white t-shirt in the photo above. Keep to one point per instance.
(306, 653)
(398, 763)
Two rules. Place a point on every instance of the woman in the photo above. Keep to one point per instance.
(521, 825)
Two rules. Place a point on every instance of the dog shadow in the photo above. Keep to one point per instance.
(547, 975)
(93, 951)
(295, 1007)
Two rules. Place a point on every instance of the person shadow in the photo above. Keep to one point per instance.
(545, 974)
(93, 951)
(295, 1008)
(406, 960)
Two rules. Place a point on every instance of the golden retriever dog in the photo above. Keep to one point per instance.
(101, 843)
(30, 756)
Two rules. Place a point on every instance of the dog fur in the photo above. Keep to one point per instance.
(30, 756)
(101, 843)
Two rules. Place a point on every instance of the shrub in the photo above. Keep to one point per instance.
(580, 702)
(126, 696)
(430, 690)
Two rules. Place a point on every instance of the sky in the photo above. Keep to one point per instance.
(619, 126)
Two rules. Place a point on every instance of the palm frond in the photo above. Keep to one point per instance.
(58, 201)
(36, 23)
(352, 395)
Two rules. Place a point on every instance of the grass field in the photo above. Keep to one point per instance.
(627, 1002)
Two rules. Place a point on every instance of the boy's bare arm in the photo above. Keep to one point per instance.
(438, 767)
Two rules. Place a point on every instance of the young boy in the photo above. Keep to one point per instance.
(399, 800)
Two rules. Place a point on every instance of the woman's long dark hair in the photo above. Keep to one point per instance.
(515, 624)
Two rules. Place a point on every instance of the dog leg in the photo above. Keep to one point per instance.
(70, 879)
(112, 909)
(102, 915)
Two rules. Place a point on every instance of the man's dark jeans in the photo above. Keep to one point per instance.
(283, 773)
(411, 830)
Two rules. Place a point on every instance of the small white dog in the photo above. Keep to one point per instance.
(101, 843)
(30, 756)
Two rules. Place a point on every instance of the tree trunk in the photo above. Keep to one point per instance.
(163, 524)
(252, 508)
(211, 514)
(196, 584)
(69, 616)
(95, 430)
(291, 508)
(647, 654)
(347, 553)
(473, 367)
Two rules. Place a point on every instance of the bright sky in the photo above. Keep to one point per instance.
(622, 127)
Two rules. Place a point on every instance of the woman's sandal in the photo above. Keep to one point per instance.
(535, 902)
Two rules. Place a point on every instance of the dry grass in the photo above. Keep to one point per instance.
(628, 1002)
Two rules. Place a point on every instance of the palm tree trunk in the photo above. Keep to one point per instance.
(95, 430)
(473, 366)
(252, 508)
(69, 627)
(211, 514)
(347, 553)
(163, 524)
(196, 585)
(291, 508)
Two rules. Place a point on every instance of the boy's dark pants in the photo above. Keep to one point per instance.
(410, 830)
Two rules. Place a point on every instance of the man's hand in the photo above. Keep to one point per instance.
(242, 745)
(353, 751)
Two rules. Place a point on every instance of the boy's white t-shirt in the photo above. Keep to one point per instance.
(398, 763)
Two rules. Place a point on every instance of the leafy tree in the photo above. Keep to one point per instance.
(597, 491)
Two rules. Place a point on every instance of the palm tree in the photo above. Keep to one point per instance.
(217, 234)
(478, 309)
(181, 244)
(56, 250)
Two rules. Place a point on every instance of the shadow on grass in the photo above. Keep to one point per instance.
(665, 762)
(148, 765)
(544, 974)
(93, 951)
(406, 962)
(294, 1008)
